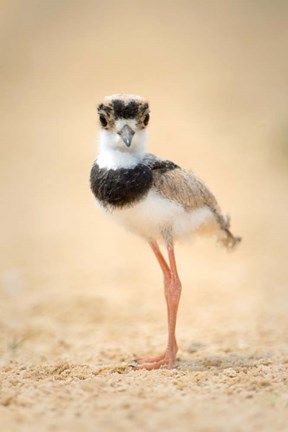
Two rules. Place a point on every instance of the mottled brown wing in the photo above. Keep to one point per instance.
(188, 190)
(184, 188)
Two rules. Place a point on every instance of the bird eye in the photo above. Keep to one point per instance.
(146, 119)
(103, 120)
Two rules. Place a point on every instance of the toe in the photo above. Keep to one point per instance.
(151, 365)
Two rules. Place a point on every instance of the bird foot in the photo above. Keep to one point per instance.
(149, 363)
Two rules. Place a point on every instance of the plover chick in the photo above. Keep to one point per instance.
(153, 198)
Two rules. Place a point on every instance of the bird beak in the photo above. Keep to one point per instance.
(126, 133)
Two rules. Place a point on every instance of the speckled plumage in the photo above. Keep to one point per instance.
(121, 106)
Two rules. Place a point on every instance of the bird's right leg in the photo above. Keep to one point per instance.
(158, 361)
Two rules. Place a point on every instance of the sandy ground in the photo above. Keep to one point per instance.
(79, 296)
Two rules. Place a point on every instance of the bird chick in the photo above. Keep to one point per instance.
(153, 198)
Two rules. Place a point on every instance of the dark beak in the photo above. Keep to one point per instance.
(126, 133)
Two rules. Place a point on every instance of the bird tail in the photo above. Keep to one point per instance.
(226, 238)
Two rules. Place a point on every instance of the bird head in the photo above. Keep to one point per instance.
(123, 120)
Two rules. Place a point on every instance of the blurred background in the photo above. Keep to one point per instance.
(215, 74)
(76, 288)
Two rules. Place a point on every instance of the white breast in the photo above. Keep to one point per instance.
(149, 217)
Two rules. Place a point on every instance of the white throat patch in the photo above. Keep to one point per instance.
(113, 152)
(114, 159)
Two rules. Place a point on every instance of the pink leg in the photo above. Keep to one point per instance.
(173, 297)
(172, 287)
